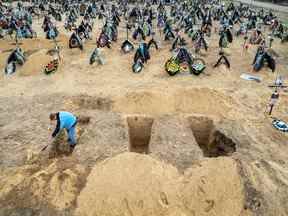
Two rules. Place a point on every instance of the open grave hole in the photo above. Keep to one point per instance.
(211, 140)
(139, 133)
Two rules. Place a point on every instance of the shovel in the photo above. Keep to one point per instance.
(81, 119)
(44, 148)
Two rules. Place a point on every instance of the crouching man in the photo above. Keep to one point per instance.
(68, 121)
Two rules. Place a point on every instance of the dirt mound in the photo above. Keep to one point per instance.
(35, 63)
(56, 185)
(135, 184)
(192, 100)
(214, 187)
(130, 183)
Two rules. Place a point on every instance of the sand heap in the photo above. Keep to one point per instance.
(35, 63)
(134, 184)
(48, 189)
(127, 184)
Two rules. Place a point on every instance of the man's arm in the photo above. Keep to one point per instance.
(57, 129)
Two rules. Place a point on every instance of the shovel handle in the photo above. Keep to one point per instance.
(45, 147)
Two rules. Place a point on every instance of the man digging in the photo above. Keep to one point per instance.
(68, 121)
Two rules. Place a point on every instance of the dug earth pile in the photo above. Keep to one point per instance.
(155, 145)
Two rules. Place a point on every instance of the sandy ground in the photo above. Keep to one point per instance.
(210, 148)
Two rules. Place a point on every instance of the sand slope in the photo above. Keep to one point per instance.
(133, 184)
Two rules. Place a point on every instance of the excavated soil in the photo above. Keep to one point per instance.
(145, 186)
(206, 147)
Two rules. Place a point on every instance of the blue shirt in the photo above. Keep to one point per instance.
(64, 120)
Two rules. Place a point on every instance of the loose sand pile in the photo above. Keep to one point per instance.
(56, 184)
(133, 184)
(35, 63)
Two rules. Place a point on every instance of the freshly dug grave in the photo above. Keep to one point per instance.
(35, 63)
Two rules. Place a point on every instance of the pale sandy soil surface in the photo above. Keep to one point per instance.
(212, 151)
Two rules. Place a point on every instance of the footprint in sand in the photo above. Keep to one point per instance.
(164, 199)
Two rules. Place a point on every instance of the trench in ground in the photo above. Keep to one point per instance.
(212, 141)
(139, 128)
